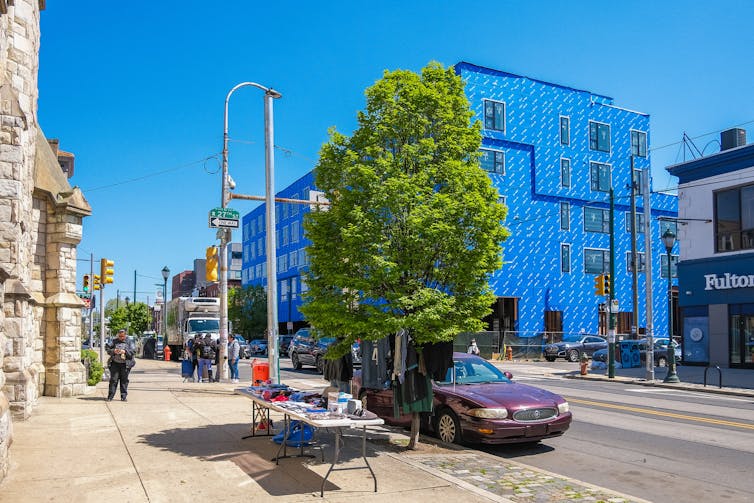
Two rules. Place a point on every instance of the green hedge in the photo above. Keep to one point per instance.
(95, 369)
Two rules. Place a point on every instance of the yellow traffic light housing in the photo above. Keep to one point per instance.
(607, 287)
(212, 262)
(86, 283)
(599, 285)
(96, 282)
(106, 272)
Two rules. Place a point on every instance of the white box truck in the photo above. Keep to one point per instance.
(188, 316)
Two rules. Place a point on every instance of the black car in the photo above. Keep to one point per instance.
(284, 342)
(572, 348)
(305, 349)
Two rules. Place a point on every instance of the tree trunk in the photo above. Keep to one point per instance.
(415, 423)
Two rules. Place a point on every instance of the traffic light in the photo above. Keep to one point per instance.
(106, 272)
(599, 285)
(96, 283)
(211, 265)
(86, 283)
(606, 286)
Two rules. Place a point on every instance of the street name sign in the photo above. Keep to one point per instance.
(226, 213)
(224, 218)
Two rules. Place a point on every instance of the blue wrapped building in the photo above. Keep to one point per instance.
(553, 152)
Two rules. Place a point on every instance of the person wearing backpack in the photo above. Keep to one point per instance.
(206, 357)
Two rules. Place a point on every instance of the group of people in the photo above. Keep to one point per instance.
(204, 351)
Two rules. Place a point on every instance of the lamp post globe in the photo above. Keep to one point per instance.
(668, 239)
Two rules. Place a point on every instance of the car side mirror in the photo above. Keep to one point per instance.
(508, 374)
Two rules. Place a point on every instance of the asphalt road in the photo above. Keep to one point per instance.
(657, 444)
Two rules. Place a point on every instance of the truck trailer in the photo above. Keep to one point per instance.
(188, 316)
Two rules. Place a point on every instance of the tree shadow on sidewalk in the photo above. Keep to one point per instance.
(295, 475)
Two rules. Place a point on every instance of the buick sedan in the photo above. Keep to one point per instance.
(476, 402)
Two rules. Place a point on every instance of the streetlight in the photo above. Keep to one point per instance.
(165, 274)
(668, 239)
(224, 234)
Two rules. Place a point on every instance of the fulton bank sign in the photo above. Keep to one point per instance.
(728, 281)
(717, 280)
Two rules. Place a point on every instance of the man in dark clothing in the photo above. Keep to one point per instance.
(121, 361)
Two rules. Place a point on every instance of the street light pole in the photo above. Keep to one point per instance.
(164, 313)
(272, 340)
(668, 239)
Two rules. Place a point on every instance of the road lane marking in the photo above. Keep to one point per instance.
(641, 410)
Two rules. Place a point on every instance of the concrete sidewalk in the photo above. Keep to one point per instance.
(175, 441)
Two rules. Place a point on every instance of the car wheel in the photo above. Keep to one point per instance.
(572, 355)
(320, 365)
(448, 428)
(294, 360)
(550, 358)
(662, 362)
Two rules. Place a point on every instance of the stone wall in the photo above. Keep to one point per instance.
(40, 227)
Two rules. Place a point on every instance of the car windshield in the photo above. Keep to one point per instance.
(473, 371)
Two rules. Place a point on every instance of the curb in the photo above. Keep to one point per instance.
(660, 384)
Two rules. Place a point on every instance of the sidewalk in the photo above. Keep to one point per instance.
(175, 441)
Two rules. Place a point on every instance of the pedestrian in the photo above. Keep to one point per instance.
(121, 361)
(234, 351)
(473, 348)
(206, 357)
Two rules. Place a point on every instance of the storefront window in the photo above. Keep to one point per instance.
(742, 335)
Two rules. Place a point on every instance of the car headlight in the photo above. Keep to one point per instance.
(500, 413)
(563, 408)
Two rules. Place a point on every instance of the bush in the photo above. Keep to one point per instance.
(94, 366)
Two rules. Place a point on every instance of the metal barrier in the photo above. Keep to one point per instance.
(719, 376)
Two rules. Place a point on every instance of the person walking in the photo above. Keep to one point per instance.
(234, 351)
(121, 361)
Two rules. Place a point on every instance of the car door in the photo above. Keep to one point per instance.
(592, 344)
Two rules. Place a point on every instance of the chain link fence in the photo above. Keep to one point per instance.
(488, 343)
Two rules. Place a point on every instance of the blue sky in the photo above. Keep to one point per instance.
(136, 91)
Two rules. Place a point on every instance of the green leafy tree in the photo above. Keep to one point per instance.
(118, 319)
(134, 317)
(247, 309)
(414, 227)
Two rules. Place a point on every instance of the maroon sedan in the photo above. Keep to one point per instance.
(478, 403)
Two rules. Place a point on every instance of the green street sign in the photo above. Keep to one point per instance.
(224, 213)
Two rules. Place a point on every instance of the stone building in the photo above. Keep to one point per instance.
(40, 227)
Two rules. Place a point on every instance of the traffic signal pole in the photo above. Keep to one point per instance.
(611, 324)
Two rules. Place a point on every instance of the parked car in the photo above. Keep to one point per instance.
(284, 341)
(572, 348)
(660, 352)
(305, 349)
(243, 347)
(257, 347)
(476, 402)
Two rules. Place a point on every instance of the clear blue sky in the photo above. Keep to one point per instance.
(136, 91)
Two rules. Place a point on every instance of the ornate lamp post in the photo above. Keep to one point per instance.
(668, 239)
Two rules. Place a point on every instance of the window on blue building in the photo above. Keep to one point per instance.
(286, 235)
(596, 220)
(565, 130)
(295, 231)
(565, 216)
(600, 176)
(565, 172)
(494, 115)
(638, 180)
(294, 207)
(492, 161)
(599, 136)
(565, 258)
(734, 219)
(639, 222)
(596, 261)
(638, 143)
(630, 263)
